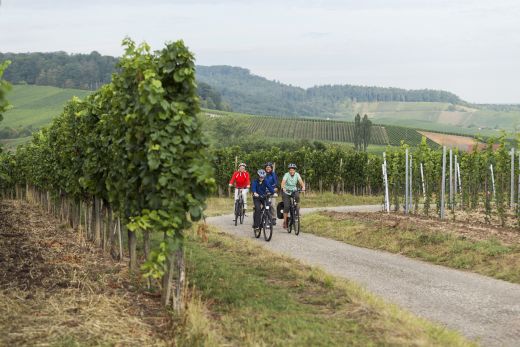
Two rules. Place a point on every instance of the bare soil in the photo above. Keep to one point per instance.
(57, 289)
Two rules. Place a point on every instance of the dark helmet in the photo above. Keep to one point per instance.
(292, 166)
(261, 173)
(268, 164)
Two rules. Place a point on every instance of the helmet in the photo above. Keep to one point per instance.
(292, 166)
(261, 173)
(242, 164)
(268, 164)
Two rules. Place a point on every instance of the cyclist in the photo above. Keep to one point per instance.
(260, 188)
(289, 187)
(272, 179)
(242, 181)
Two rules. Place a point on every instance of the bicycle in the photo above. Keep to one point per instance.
(239, 208)
(266, 223)
(294, 214)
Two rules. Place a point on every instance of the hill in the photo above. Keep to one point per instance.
(35, 106)
(249, 93)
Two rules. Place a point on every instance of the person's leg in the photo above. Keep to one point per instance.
(273, 209)
(256, 215)
(244, 195)
(236, 198)
(285, 199)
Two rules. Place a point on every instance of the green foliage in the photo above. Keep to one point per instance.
(4, 87)
(136, 144)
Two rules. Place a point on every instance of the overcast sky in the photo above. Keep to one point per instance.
(471, 48)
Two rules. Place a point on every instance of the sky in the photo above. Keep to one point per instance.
(471, 48)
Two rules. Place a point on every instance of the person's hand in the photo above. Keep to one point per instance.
(276, 190)
(275, 195)
(230, 185)
(248, 187)
(255, 195)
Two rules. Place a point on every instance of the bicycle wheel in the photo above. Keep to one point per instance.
(267, 226)
(242, 212)
(236, 212)
(296, 221)
(290, 220)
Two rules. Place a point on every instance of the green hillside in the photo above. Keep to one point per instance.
(36, 105)
(316, 129)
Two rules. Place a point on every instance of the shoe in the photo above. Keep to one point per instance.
(274, 222)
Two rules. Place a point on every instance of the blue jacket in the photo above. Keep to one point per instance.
(261, 188)
(272, 179)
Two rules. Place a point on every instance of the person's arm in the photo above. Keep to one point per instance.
(270, 188)
(283, 184)
(248, 180)
(254, 188)
(301, 182)
(275, 179)
(232, 180)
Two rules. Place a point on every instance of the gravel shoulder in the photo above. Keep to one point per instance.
(479, 307)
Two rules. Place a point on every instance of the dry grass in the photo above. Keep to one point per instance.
(54, 292)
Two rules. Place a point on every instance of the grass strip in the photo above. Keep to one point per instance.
(254, 297)
(489, 257)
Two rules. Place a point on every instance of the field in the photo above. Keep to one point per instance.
(37, 105)
(320, 129)
(461, 142)
(442, 117)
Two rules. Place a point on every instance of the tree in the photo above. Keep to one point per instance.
(357, 132)
(366, 131)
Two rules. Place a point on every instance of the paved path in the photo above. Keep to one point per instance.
(479, 307)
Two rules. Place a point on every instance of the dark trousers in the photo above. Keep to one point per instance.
(259, 202)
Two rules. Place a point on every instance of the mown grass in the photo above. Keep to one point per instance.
(253, 297)
(489, 257)
(37, 105)
(224, 205)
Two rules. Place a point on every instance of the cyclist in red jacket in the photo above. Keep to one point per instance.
(242, 181)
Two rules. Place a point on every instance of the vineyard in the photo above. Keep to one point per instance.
(128, 158)
(323, 130)
(482, 181)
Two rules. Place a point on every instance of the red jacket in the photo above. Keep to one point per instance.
(241, 178)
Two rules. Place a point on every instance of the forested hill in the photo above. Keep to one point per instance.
(250, 93)
(226, 87)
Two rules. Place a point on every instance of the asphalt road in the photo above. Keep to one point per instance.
(480, 307)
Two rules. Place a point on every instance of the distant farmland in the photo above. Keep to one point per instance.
(323, 130)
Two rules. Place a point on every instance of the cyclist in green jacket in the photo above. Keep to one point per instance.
(289, 187)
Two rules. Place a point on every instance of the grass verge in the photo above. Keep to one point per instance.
(219, 206)
(413, 238)
(254, 297)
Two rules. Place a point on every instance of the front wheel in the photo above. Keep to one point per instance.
(268, 227)
(242, 212)
(237, 213)
(290, 221)
(296, 221)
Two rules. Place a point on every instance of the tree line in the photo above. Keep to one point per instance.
(80, 71)
(220, 87)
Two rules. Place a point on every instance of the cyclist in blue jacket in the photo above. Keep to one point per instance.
(272, 179)
(260, 188)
